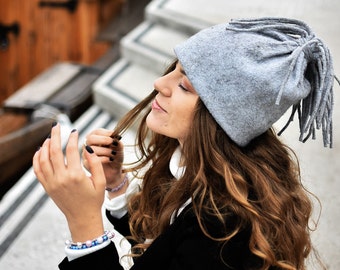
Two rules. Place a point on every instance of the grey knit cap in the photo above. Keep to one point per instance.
(248, 73)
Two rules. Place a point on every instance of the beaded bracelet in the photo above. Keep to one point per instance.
(90, 243)
(119, 187)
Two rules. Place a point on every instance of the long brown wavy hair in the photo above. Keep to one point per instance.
(259, 183)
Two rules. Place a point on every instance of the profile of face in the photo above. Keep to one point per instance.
(173, 107)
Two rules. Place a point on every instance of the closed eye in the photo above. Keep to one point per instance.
(182, 87)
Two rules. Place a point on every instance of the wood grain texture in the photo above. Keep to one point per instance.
(50, 35)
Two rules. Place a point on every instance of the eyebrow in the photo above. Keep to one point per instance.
(183, 72)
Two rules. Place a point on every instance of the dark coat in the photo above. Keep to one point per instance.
(182, 246)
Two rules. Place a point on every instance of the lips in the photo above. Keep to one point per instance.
(155, 106)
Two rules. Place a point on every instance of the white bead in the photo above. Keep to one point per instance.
(100, 240)
(110, 235)
(88, 243)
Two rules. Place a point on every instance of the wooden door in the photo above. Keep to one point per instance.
(40, 33)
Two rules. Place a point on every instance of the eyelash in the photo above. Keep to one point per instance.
(182, 87)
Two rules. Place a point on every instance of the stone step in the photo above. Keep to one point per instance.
(122, 86)
(151, 45)
(183, 16)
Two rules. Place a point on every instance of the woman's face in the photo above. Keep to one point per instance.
(173, 107)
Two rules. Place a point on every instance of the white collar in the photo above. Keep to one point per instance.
(176, 170)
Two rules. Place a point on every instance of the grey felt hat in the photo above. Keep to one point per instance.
(248, 73)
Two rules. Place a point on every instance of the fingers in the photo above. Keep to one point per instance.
(102, 151)
(102, 137)
(72, 153)
(117, 151)
(108, 148)
(55, 151)
(99, 137)
(78, 196)
(49, 159)
(96, 169)
(41, 161)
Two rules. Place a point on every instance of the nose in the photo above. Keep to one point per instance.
(162, 85)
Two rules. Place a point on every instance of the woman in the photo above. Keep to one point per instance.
(219, 189)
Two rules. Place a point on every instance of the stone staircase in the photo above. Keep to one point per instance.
(33, 229)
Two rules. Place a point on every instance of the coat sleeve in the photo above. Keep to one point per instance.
(106, 258)
(120, 224)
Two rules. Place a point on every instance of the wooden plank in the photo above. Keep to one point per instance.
(43, 86)
(11, 121)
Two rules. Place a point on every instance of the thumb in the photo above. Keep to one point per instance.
(95, 168)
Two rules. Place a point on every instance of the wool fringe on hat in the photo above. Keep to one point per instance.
(314, 111)
(249, 72)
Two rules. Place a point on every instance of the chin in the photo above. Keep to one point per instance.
(152, 123)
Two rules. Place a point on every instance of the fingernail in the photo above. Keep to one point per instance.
(89, 149)
(112, 159)
(114, 153)
(118, 137)
(54, 124)
(73, 130)
(115, 143)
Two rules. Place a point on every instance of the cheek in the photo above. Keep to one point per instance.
(184, 120)
(186, 123)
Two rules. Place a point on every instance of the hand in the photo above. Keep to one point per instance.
(111, 153)
(78, 196)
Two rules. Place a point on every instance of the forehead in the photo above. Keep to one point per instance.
(180, 68)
